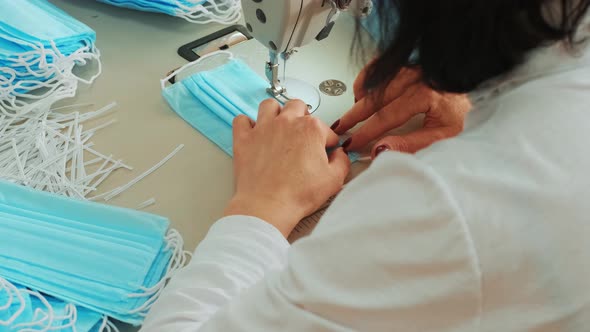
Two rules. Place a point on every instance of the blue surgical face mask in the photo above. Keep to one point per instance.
(39, 21)
(210, 100)
(39, 46)
(169, 7)
(197, 11)
(110, 260)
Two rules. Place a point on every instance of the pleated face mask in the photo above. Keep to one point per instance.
(196, 11)
(210, 100)
(110, 260)
(38, 21)
(39, 46)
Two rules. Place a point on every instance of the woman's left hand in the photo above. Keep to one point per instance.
(281, 167)
(404, 97)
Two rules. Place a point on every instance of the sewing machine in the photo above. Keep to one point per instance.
(275, 29)
(283, 26)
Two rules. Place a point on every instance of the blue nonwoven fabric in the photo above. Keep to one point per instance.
(107, 259)
(210, 100)
(170, 7)
(39, 43)
(211, 110)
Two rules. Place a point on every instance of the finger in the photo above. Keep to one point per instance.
(415, 141)
(241, 125)
(403, 87)
(332, 139)
(359, 112)
(268, 110)
(390, 117)
(330, 136)
(340, 164)
(295, 108)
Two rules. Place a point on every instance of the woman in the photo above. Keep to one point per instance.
(487, 231)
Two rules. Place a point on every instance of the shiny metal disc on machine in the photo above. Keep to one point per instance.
(333, 87)
(299, 89)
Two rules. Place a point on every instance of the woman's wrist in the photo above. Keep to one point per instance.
(282, 215)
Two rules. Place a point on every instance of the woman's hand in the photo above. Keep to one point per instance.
(404, 97)
(282, 170)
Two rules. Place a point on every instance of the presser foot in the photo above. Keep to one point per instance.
(297, 90)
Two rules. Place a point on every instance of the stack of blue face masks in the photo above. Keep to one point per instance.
(39, 46)
(197, 11)
(113, 262)
(210, 100)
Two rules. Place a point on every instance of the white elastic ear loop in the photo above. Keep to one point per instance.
(21, 106)
(13, 292)
(107, 326)
(52, 75)
(217, 11)
(178, 259)
(63, 65)
(47, 322)
(190, 64)
(38, 53)
(81, 57)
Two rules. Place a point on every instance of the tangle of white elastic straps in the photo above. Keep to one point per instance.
(51, 70)
(210, 11)
(43, 319)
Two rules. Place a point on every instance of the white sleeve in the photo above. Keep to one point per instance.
(393, 253)
(236, 253)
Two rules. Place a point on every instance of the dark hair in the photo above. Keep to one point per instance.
(461, 43)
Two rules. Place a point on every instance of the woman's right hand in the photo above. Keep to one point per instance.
(282, 170)
(404, 97)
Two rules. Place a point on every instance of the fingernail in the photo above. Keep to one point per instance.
(335, 125)
(346, 143)
(380, 149)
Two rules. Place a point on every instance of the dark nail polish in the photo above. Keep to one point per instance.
(346, 143)
(380, 149)
(335, 125)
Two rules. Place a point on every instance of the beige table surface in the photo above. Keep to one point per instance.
(137, 50)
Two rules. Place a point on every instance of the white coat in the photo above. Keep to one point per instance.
(488, 231)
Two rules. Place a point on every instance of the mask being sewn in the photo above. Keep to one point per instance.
(210, 100)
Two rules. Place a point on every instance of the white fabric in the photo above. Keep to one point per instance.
(489, 231)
